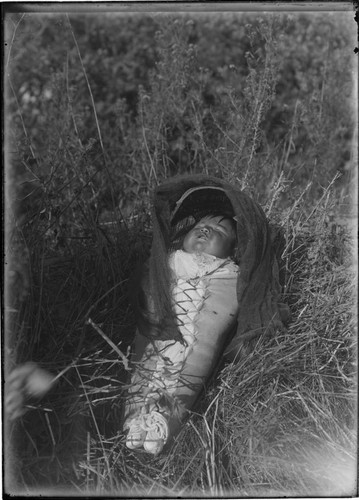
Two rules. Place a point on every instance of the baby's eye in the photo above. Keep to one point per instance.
(221, 229)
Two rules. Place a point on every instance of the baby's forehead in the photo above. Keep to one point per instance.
(215, 219)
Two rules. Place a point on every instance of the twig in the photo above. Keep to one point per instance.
(114, 346)
(62, 372)
(95, 422)
(69, 103)
(12, 39)
(153, 170)
(88, 86)
(50, 430)
(96, 118)
(104, 295)
(22, 119)
(12, 87)
(326, 191)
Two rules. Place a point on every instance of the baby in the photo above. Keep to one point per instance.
(170, 375)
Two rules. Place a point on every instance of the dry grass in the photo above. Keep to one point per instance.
(280, 421)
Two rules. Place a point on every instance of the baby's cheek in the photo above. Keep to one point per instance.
(187, 243)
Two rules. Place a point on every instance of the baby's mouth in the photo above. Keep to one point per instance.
(202, 236)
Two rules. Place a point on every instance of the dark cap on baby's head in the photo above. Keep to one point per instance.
(202, 201)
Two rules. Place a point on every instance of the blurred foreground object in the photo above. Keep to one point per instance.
(26, 382)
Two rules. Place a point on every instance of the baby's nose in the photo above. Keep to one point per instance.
(206, 230)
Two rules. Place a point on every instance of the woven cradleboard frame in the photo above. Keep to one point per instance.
(177, 205)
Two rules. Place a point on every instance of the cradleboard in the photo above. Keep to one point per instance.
(185, 326)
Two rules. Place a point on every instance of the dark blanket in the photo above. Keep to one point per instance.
(258, 288)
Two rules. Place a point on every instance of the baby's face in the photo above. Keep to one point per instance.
(212, 235)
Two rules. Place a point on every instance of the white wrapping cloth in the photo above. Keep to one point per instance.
(167, 368)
